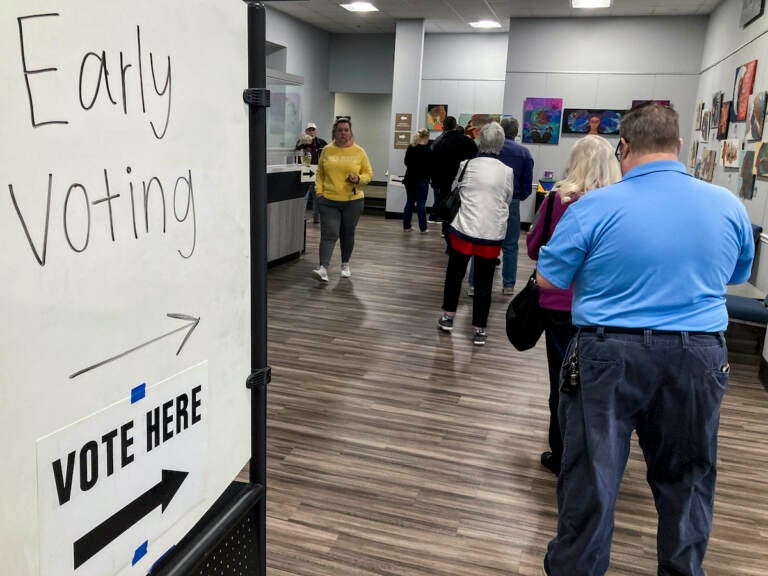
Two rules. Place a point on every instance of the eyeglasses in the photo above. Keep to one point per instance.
(619, 150)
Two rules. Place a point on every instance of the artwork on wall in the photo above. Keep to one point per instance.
(746, 184)
(541, 120)
(698, 114)
(708, 161)
(729, 153)
(591, 121)
(725, 115)
(662, 102)
(705, 126)
(751, 10)
(464, 118)
(760, 166)
(478, 120)
(436, 114)
(694, 153)
(717, 105)
(742, 88)
(757, 116)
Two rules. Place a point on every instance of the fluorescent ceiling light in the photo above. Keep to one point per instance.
(485, 24)
(360, 7)
(591, 3)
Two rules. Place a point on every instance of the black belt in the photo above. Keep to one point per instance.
(641, 331)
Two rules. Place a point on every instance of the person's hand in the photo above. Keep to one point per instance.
(353, 178)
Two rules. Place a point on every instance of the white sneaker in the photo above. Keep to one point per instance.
(321, 274)
(345, 271)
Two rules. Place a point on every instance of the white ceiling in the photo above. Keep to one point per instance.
(454, 15)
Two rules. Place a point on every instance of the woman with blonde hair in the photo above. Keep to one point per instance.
(416, 180)
(592, 165)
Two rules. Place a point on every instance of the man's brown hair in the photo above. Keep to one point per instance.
(651, 128)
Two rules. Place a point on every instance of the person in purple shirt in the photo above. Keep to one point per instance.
(591, 165)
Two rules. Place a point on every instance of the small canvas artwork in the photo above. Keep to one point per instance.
(662, 102)
(751, 10)
(742, 88)
(757, 116)
(541, 120)
(698, 114)
(746, 184)
(717, 105)
(722, 126)
(463, 119)
(694, 153)
(708, 161)
(478, 121)
(760, 166)
(436, 114)
(729, 153)
(589, 121)
(705, 126)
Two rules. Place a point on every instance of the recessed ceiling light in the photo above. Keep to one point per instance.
(360, 7)
(591, 3)
(485, 24)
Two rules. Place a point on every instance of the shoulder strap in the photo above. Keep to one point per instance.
(548, 216)
(464, 169)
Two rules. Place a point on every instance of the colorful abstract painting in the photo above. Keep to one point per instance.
(729, 153)
(436, 114)
(742, 88)
(591, 121)
(746, 187)
(541, 120)
(757, 116)
(708, 161)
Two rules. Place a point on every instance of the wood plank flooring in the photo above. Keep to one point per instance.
(398, 450)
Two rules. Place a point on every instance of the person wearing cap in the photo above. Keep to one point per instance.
(314, 145)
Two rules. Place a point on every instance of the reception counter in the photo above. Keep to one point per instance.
(285, 212)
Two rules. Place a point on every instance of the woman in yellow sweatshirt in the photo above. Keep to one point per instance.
(342, 170)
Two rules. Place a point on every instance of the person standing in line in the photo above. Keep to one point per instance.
(309, 142)
(649, 259)
(591, 165)
(416, 180)
(478, 229)
(519, 158)
(342, 171)
(447, 152)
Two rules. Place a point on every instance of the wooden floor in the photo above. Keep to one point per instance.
(395, 449)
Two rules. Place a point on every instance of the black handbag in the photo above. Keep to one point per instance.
(524, 317)
(450, 204)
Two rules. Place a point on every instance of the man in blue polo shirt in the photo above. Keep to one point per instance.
(649, 259)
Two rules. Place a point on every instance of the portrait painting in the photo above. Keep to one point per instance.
(725, 115)
(591, 121)
(757, 116)
(541, 120)
(742, 89)
(746, 185)
(436, 114)
(708, 161)
(751, 10)
(760, 166)
(729, 153)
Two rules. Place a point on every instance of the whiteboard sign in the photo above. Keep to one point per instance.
(109, 484)
(309, 173)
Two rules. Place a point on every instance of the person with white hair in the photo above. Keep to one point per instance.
(486, 190)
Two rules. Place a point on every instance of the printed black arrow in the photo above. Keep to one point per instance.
(97, 539)
(310, 173)
(192, 323)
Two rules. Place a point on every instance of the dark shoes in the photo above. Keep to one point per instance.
(550, 462)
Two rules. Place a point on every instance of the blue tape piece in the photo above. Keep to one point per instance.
(138, 392)
(159, 561)
(141, 551)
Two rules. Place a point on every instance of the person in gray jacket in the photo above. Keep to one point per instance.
(478, 229)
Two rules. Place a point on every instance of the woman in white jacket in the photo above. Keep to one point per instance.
(478, 229)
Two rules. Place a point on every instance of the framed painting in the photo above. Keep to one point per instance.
(746, 186)
(757, 116)
(436, 114)
(698, 114)
(705, 126)
(760, 166)
(742, 88)
(541, 120)
(717, 104)
(751, 10)
(708, 161)
(729, 153)
(591, 121)
(694, 153)
(722, 125)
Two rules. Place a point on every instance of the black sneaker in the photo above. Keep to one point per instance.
(550, 462)
(445, 323)
(480, 337)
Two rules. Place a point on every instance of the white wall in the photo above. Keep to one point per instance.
(370, 124)
(362, 63)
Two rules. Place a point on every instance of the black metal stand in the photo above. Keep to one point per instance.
(230, 539)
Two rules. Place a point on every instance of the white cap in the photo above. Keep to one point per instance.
(311, 125)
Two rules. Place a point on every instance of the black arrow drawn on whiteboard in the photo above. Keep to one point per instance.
(105, 533)
(192, 323)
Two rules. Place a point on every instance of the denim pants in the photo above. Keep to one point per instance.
(668, 387)
(416, 194)
(508, 249)
(338, 221)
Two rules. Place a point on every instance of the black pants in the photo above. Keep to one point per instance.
(454, 276)
(558, 332)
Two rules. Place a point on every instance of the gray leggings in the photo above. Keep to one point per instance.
(338, 221)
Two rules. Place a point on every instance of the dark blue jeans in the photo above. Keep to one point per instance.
(416, 193)
(667, 387)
